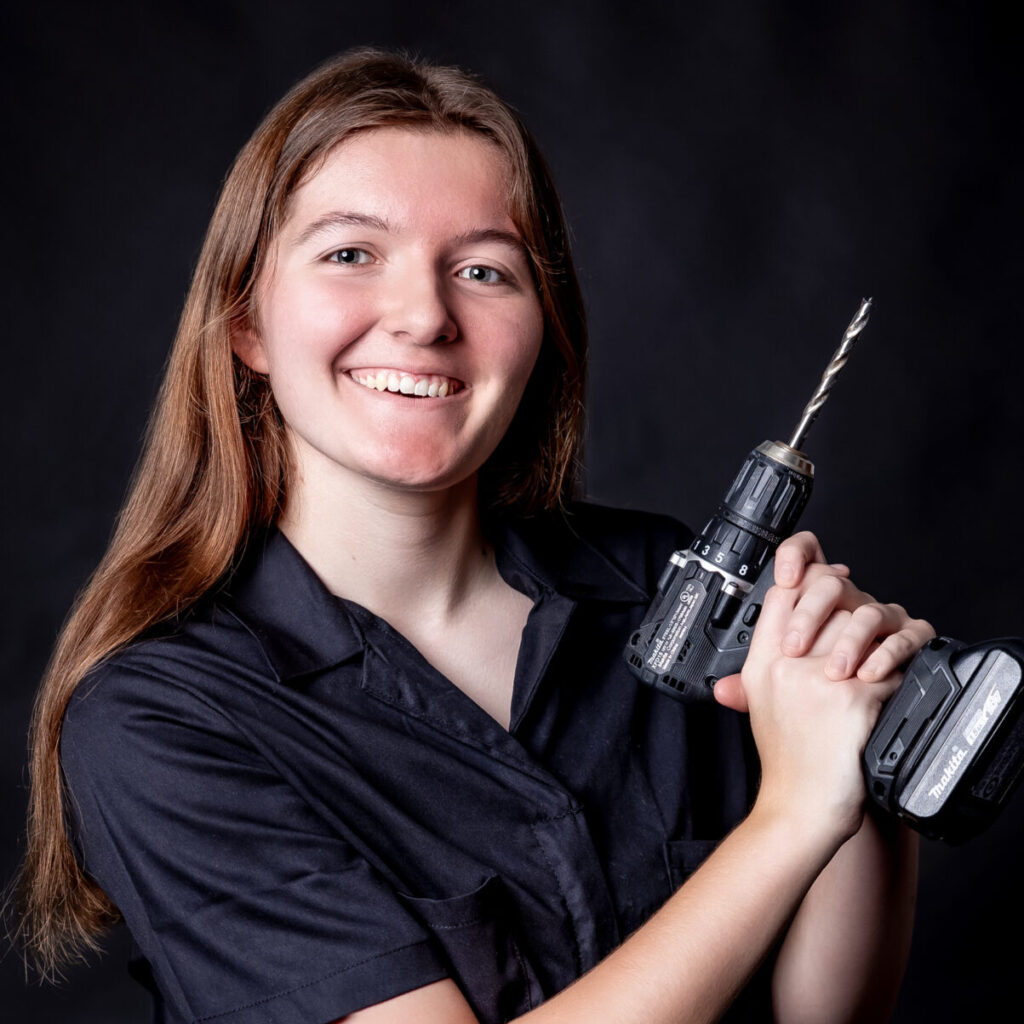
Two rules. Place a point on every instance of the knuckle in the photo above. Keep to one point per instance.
(868, 617)
(802, 621)
(841, 619)
(789, 550)
(901, 644)
(814, 572)
(831, 586)
(824, 571)
(804, 544)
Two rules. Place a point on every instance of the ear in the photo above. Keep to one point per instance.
(246, 344)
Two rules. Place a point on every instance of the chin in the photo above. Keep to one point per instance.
(420, 464)
(420, 474)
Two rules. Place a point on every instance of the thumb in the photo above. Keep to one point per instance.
(729, 693)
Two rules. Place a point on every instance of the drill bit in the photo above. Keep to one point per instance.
(828, 378)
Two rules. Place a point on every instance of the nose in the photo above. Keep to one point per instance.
(416, 307)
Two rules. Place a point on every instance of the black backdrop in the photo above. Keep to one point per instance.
(736, 174)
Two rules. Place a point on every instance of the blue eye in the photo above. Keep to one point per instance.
(350, 256)
(484, 275)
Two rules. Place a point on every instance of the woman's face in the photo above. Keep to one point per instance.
(397, 319)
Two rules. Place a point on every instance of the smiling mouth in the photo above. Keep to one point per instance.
(417, 385)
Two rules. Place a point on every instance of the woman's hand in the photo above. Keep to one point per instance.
(876, 638)
(823, 660)
(809, 729)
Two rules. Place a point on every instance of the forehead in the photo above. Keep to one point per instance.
(402, 175)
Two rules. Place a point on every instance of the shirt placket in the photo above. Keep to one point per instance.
(564, 848)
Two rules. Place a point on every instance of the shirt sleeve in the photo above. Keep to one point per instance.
(247, 906)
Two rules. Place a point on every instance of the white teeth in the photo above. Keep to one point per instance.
(399, 382)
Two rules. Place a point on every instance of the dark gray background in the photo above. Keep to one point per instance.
(737, 175)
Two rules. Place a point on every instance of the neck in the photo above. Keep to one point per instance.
(398, 553)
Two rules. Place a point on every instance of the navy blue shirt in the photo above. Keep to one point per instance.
(298, 816)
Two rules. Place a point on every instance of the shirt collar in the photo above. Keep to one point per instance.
(554, 550)
(303, 628)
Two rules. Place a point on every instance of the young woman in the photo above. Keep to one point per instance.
(341, 727)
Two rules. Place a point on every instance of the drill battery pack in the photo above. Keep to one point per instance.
(948, 747)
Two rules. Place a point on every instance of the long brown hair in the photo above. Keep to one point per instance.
(215, 468)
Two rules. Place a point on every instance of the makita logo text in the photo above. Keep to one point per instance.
(947, 773)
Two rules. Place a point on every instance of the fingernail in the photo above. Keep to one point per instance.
(784, 573)
(872, 666)
(839, 665)
(793, 641)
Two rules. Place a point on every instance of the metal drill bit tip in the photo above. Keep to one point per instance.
(842, 354)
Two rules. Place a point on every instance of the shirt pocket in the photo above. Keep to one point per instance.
(474, 932)
(684, 856)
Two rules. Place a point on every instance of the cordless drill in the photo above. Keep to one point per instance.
(948, 748)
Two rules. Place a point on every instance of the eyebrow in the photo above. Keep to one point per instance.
(340, 219)
(345, 218)
(507, 238)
